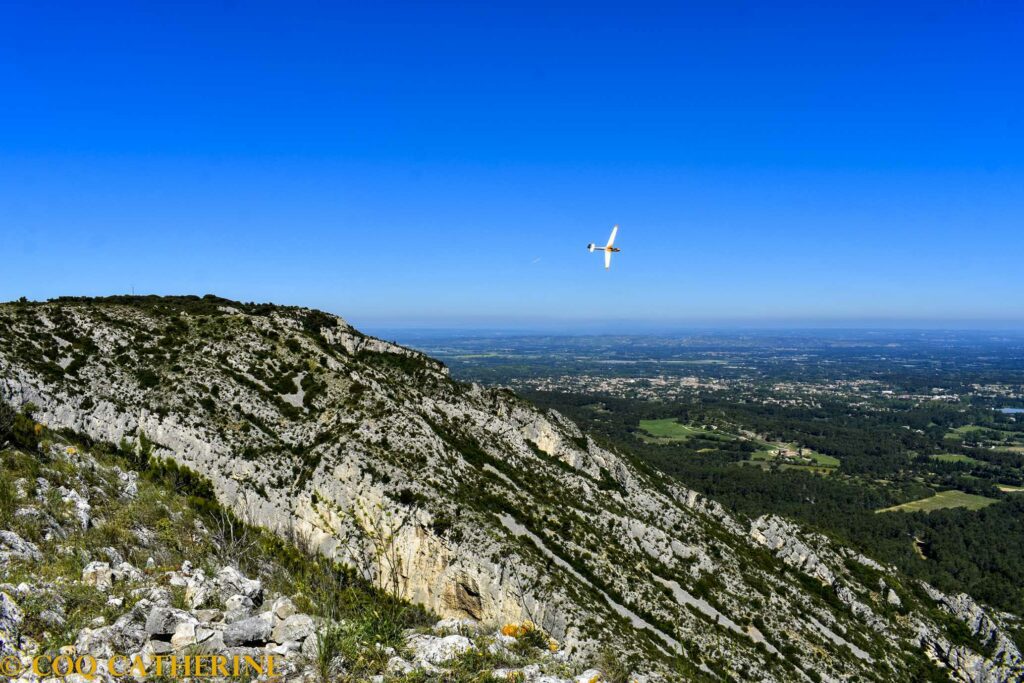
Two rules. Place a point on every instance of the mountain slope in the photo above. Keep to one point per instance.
(472, 502)
(105, 555)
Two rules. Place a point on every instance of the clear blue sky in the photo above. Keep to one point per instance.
(445, 163)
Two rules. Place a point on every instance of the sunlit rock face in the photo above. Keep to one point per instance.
(470, 501)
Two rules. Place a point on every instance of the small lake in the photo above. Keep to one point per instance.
(1010, 411)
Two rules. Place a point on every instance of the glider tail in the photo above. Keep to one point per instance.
(591, 247)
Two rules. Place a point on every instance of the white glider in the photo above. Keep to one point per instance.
(607, 249)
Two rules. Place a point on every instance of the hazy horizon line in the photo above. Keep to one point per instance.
(653, 328)
(548, 324)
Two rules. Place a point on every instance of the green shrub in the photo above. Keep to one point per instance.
(7, 415)
(7, 500)
(530, 638)
(613, 668)
(284, 384)
(148, 379)
(25, 431)
(328, 648)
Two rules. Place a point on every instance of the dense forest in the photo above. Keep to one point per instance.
(976, 551)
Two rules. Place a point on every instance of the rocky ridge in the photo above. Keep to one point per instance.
(111, 610)
(470, 501)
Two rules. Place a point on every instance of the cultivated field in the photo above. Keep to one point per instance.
(955, 457)
(668, 430)
(942, 500)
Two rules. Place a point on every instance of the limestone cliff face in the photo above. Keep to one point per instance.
(815, 556)
(467, 500)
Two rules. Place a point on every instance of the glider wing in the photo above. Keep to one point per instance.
(611, 240)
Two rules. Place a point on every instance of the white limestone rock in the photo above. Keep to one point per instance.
(295, 628)
(98, 575)
(164, 621)
(436, 650)
(14, 547)
(462, 626)
(283, 608)
(129, 484)
(399, 667)
(10, 623)
(231, 582)
(237, 608)
(783, 538)
(125, 571)
(249, 632)
(79, 505)
(97, 642)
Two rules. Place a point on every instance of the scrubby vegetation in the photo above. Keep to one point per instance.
(167, 517)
